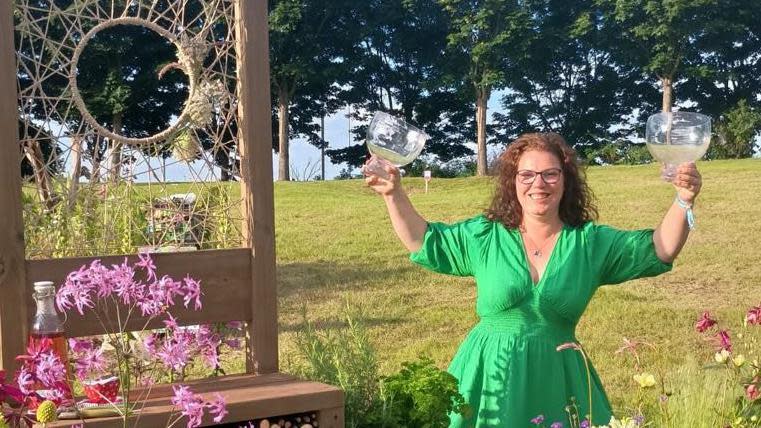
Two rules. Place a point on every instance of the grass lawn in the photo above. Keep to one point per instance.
(335, 245)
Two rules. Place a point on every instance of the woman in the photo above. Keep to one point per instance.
(537, 258)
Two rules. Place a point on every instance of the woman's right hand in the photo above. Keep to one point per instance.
(382, 185)
(384, 178)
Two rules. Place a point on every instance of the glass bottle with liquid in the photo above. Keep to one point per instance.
(47, 323)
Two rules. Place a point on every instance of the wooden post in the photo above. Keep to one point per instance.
(255, 145)
(13, 313)
(331, 418)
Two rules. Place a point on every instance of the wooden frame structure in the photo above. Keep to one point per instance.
(240, 283)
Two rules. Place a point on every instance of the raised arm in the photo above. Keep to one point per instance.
(409, 226)
(671, 234)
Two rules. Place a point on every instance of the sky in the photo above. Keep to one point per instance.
(304, 157)
(303, 154)
(337, 134)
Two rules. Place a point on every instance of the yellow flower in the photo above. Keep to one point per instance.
(722, 356)
(738, 360)
(645, 380)
(46, 412)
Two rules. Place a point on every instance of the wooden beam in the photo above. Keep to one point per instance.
(255, 144)
(225, 277)
(248, 397)
(13, 329)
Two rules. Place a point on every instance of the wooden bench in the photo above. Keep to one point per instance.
(238, 284)
(248, 397)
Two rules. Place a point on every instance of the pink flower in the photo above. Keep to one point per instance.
(752, 392)
(124, 285)
(705, 322)
(34, 350)
(190, 405)
(80, 345)
(192, 291)
(89, 362)
(171, 322)
(49, 369)
(208, 341)
(150, 343)
(76, 290)
(146, 262)
(233, 343)
(175, 351)
(95, 283)
(754, 316)
(218, 407)
(724, 341)
(538, 420)
(25, 381)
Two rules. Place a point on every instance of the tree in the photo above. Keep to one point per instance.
(394, 71)
(667, 33)
(306, 38)
(568, 82)
(730, 48)
(492, 34)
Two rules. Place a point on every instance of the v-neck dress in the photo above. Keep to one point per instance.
(508, 367)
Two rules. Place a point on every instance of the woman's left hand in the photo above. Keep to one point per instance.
(687, 182)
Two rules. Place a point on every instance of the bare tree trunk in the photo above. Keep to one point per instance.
(322, 147)
(668, 91)
(482, 97)
(96, 159)
(34, 154)
(283, 170)
(76, 153)
(116, 150)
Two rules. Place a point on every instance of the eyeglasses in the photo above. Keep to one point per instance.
(550, 176)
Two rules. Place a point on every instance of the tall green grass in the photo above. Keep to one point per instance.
(335, 242)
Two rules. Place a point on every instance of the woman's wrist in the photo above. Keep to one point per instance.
(394, 195)
(684, 201)
(686, 205)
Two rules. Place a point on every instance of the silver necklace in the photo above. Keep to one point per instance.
(538, 251)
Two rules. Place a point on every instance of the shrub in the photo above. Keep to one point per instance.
(736, 130)
(420, 395)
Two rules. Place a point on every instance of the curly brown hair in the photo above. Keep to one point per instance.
(577, 204)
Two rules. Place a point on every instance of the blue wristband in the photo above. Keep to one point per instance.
(690, 215)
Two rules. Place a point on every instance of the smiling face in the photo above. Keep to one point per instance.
(539, 199)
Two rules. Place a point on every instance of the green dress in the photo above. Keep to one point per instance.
(508, 367)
